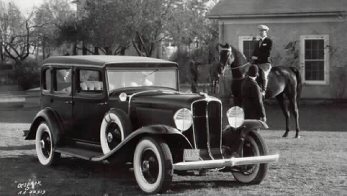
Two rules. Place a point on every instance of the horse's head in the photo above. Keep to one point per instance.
(226, 56)
(232, 58)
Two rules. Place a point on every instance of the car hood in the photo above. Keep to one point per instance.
(159, 98)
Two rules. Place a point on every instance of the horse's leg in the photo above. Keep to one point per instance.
(284, 107)
(294, 108)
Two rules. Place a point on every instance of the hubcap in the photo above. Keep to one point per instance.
(150, 166)
(45, 143)
(113, 135)
(42, 142)
(145, 166)
(109, 137)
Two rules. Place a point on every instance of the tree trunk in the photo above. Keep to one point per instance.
(1, 53)
(108, 50)
(96, 50)
(43, 49)
(74, 49)
(122, 51)
(84, 49)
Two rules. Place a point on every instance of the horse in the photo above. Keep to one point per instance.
(283, 81)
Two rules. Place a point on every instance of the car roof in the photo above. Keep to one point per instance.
(107, 60)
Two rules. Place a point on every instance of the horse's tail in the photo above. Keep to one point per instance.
(299, 82)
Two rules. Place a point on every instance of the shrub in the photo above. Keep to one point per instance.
(27, 74)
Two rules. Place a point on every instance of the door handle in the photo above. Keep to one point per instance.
(68, 102)
(102, 103)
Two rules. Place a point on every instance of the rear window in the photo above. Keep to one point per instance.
(47, 80)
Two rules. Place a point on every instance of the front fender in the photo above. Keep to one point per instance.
(233, 136)
(127, 146)
(51, 119)
(254, 124)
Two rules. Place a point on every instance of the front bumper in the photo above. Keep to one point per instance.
(220, 163)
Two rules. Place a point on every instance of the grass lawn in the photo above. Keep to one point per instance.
(312, 165)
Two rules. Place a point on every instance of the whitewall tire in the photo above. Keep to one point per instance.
(153, 165)
(44, 145)
(114, 128)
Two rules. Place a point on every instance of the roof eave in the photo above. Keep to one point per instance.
(269, 15)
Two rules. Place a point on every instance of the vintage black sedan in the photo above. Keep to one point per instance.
(129, 109)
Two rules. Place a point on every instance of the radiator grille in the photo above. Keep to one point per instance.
(207, 123)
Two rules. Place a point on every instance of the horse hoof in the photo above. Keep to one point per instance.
(285, 135)
(297, 137)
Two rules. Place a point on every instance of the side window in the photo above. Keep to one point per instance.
(47, 80)
(90, 81)
(62, 81)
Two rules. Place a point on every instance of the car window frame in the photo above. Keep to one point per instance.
(44, 79)
(85, 94)
(124, 68)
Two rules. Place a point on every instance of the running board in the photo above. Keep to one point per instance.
(220, 163)
(79, 153)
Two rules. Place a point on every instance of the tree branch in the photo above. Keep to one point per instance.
(136, 48)
(142, 43)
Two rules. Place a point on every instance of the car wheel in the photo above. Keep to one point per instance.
(253, 145)
(114, 128)
(153, 165)
(44, 145)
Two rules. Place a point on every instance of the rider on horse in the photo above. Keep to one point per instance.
(261, 56)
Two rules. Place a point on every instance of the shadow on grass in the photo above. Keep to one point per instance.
(22, 147)
(186, 185)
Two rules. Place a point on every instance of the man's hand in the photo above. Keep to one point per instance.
(254, 58)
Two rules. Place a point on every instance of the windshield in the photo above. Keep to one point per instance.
(142, 77)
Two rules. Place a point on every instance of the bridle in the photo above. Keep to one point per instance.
(234, 68)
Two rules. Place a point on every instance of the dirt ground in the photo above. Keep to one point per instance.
(312, 165)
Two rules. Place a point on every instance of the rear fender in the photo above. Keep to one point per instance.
(48, 116)
(125, 149)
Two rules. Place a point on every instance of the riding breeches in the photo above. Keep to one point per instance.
(265, 68)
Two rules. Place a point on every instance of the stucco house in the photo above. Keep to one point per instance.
(310, 34)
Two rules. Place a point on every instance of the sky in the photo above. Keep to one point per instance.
(25, 6)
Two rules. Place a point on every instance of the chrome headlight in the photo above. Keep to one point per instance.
(183, 119)
(236, 116)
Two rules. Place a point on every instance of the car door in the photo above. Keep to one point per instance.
(60, 98)
(90, 104)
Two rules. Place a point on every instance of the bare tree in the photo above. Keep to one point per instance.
(17, 39)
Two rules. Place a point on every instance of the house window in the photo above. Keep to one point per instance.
(314, 58)
(246, 45)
